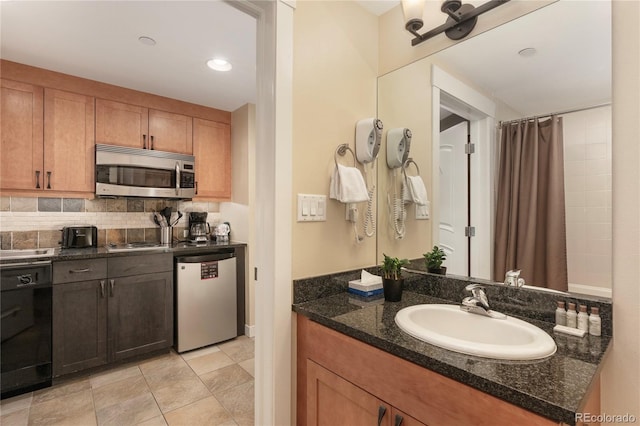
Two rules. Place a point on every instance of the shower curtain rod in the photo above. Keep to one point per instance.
(555, 113)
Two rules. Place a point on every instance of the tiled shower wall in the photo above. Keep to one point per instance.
(587, 151)
(36, 222)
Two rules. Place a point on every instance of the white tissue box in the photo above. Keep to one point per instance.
(367, 285)
(365, 290)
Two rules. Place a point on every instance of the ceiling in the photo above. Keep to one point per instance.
(571, 69)
(99, 40)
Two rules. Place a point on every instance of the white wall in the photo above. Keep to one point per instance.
(621, 373)
(335, 68)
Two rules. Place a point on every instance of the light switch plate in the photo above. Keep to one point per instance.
(312, 208)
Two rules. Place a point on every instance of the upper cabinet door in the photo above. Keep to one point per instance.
(170, 132)
(21, 154)
(212, 149)
(121, 124)
(68, 141)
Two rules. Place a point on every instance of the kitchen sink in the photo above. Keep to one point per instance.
(26, 253)
(450, 327)
(139, 246)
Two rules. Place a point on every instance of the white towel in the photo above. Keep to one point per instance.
(416, 191)
(347, 185)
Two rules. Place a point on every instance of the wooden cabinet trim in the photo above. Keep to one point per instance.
(42, 77)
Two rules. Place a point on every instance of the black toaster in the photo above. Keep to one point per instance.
(79, 236)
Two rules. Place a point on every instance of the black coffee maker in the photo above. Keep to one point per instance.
(199, 229)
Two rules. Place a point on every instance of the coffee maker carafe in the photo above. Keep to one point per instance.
(199, 229)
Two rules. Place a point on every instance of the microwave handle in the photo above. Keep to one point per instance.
(177, 178)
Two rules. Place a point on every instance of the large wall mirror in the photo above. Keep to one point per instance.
(543, 63)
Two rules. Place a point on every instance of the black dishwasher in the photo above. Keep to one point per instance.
(25, 335)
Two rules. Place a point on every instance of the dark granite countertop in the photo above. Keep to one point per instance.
(553, 387)
(180, 248)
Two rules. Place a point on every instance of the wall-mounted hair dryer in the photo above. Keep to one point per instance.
(398, 145)
(368, 139)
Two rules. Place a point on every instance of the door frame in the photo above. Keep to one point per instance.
(273, 183)
(480, 111)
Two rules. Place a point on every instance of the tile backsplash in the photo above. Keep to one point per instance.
(27, 223)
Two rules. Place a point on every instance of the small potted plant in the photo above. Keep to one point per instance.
(434, 260)
(392, 281)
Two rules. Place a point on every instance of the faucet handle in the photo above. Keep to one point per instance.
(477, 290)
(474, 287)
(512, 277)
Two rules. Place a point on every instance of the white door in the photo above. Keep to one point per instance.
(454, 199)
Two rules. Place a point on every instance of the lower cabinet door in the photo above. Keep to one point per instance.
(140, 314)
(79, 326)
(331, 401)
(398, 418)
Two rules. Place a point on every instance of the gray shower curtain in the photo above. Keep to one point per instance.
(530, 214)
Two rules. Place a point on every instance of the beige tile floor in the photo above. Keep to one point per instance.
(209, 386)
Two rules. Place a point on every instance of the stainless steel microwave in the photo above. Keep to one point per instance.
(132, 172)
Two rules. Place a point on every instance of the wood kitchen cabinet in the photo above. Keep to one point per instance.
(79, 315)
(107, 310)
(334, 401)
(47, 139)
(344, 381)
(140, 314)
(69, 148)
(212, 149)
(21, 153)
(139, 127)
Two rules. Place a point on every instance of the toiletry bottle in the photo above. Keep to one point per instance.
(583, 318)
(572, 316)
(595, 323)
(561, 314)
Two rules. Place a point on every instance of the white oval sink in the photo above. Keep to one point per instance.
(449, 327)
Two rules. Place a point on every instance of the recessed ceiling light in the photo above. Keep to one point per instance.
(528, 52)
(219, 64)
(147, 41)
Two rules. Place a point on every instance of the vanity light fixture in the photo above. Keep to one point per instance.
(219, 64)
(461, 21)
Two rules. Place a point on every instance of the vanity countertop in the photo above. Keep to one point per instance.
(553, 387)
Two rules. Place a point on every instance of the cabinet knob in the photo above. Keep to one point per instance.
(102, 289)
(112, 284)
(151, 142)
(144, 141)
(381, 412)
(37, 179)
(48, 180)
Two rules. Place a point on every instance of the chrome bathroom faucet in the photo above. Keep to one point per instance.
(478, 303)
(512, 278)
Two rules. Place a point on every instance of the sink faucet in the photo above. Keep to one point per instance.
(478, 303)
(512, 278)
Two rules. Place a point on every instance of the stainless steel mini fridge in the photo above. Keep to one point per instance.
(206, 301)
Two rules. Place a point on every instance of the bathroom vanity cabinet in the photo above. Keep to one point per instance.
(342, 380)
